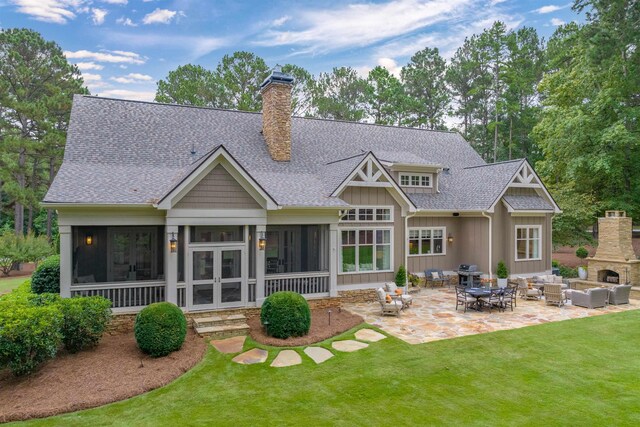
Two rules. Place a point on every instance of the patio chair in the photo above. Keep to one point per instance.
(553, 294)
(435, 277)
(591, 298)
(463, 299)
(619, 294)
(526, 292)
(389, 305)
(494, 299)
(406, 299)
(509, 297)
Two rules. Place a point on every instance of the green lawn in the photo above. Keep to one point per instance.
(578, 372)
(9, 283)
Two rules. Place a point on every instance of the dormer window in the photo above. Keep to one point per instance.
(423, 180)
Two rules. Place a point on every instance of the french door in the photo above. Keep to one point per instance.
(216, 279)
(132, 254)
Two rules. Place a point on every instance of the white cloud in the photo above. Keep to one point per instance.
(160, 16)
(88, 77)
(495, 2)
(98, 15)
(196, 46)
(132, 78)
(557, 22)
(391, 65)
(116, 56)
(127, 22)
(362, 24)
(129, 94)
(89, 66)
(54, 11)
(116, 1)
(280, 21)
(548, 9)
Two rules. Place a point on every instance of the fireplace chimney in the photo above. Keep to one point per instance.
(614, 237)
(276, 114)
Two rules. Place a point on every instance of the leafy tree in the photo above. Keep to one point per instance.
(385, 97)
(239, 77)
(188, 85)
(424, 81)
(339, 95)
(302, 91)
(36, 89)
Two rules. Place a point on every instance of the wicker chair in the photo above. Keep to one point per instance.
(591, 298)
(389, 307)
(436, 277)
(406, 299)
(553, 294)
(526, 292)
(463, 299)
(619, 294)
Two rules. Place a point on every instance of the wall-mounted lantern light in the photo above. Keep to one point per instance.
(262, 241)
(88, 239)
(450, 238)
(173, 243)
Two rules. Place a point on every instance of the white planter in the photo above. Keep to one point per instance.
(582, 273)
(502, 283)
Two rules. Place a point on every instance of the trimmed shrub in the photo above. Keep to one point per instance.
(555, 264)
(84, 321)
(286, 314)
(582, 253)
(401, 276)
(29, 335)
(46, 278)
(160, 328)
(502, 271)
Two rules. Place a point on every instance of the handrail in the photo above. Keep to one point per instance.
(115, 285)
(296, 275)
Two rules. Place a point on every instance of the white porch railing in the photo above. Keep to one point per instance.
(252, 290)
(315, 283)
(132, 295)
(182, 295)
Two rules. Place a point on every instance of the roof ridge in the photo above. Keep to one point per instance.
(364, 153)
(496, 163)
(198, 107)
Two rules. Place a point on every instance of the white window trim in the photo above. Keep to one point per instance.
(357, 208)
(430, 175)
(420, 229)
(357, 229)
(515, 240)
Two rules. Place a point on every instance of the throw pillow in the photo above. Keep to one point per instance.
(398, 291)
(435, 275)
(389, 299)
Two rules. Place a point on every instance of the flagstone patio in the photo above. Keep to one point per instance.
(433, 316)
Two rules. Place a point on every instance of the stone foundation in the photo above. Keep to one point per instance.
(358, 295)
(121, 323)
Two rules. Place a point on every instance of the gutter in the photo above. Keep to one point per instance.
(490, 244)
(406, 244)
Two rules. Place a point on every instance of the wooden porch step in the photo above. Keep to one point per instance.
(222, 320)
(223, 331)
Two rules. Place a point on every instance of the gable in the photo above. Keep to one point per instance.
(218, 190)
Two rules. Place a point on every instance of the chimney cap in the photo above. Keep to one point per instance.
(277, 76)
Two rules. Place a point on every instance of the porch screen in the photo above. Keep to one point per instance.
(296, 249)
(118, 254)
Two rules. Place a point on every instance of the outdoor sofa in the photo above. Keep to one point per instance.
(591, 298)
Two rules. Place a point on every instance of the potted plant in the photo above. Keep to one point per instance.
(503, 274)
(414, 280)
(401, 277)
(582, 253)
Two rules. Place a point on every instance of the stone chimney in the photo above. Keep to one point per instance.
(614, 237)
(276, 114)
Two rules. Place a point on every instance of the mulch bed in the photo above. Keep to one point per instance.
(341, 320)
(114, 370)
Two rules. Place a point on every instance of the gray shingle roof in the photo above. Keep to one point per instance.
(528, 203)
(129, 152)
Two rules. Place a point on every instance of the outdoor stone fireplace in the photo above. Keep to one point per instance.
(615, 261)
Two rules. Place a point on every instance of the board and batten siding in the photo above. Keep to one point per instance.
(473, 241)
(447, 262)
(379, 197)
(526, 267)
(218, 190)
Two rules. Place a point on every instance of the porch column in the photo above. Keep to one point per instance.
(171, 266)
(66, 260)
(260, 265)
(333, 260)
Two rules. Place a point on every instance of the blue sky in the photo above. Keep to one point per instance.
(124, 46)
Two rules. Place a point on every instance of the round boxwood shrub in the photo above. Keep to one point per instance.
(286, 314)
(46, 278)
(160, 328)
(582, 252)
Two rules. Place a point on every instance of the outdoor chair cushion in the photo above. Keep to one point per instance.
(390, 287)
(435, 275)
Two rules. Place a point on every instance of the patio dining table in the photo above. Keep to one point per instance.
(478, 293)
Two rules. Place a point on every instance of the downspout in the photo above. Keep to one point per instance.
(490, 244)
(406, 244)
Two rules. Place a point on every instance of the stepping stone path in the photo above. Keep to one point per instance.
(286, 358)
(229, 345)
(318, 354)
(255, 355)
(348, 346)
(369, 335)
